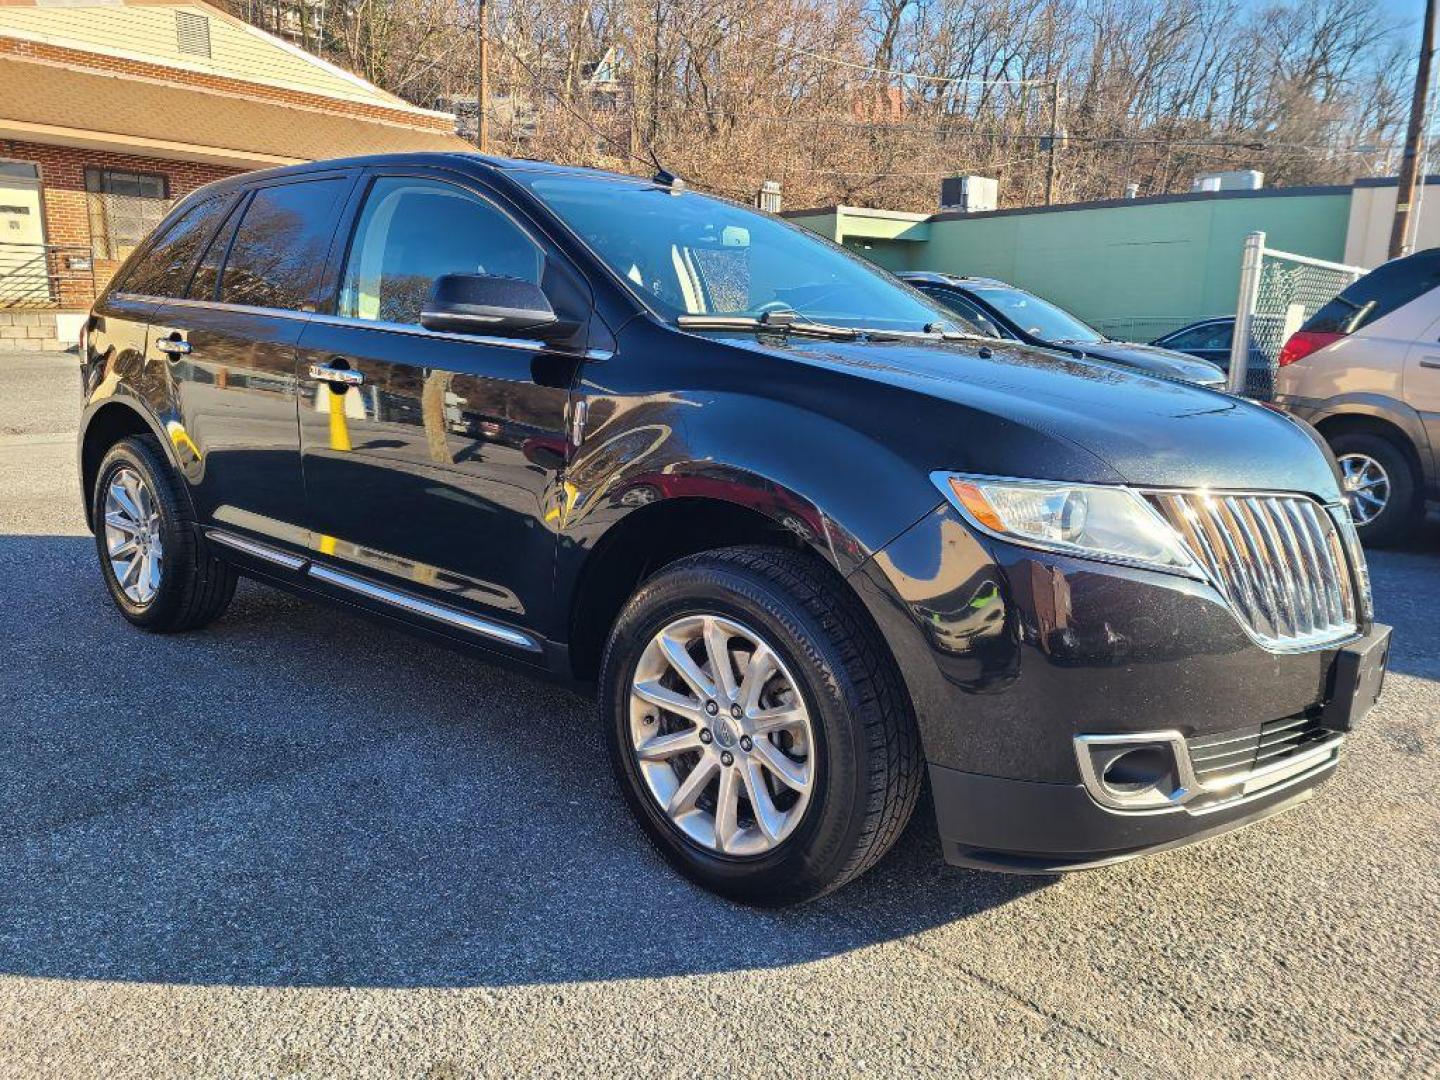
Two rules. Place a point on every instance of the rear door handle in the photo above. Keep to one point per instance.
(342, 376)
(174, 345)
(1430, 361)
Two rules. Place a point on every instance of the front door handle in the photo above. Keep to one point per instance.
(1430, 361)
(342, 376)
(174, 345)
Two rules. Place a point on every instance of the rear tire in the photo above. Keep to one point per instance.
(1396, 519)
(852, 756)
(155, 561)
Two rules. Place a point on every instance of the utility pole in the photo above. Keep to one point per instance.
(482, 86)
(1410, 164)
(1055, 139)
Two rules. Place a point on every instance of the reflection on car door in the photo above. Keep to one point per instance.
(431, 462)
(229, 342)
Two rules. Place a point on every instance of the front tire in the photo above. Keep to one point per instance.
(757, 725)
(1380, 484)
(155, 562)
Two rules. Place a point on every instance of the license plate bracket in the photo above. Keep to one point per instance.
(1359, 676)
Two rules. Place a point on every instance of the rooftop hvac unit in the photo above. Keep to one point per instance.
(1234, 180)
(969, 194)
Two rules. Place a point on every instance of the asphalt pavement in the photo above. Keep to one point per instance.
(299, 844)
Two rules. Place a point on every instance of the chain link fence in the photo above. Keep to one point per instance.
(1141, 328)
(1278, 292)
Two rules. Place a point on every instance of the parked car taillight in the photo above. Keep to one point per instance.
(1304, 342)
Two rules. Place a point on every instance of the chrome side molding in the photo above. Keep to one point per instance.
(258, 550)
(425, 608)
(414, 605)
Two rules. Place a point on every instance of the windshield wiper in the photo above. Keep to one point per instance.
(775, 322)
(790, 322)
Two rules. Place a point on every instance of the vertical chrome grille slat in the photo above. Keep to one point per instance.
(1314, 576)
(1278, 560)
(1320, 536)
(1302, 578)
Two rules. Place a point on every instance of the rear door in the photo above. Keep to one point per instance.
(431, 460)
(229, 344)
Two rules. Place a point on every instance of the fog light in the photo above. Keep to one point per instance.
(1141, 771)
(1132, 771)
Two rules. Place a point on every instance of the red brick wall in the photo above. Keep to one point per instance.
(67, 214)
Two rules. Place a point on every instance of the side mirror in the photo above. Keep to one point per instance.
(497, 306)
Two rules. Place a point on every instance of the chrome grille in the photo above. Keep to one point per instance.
(1278, 559)
(1234, 754)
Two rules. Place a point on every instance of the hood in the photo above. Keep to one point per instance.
(1011, 410)
(1157, 361)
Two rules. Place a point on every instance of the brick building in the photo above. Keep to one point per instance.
(112, 110)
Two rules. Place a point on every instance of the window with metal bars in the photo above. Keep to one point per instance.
(124, 207)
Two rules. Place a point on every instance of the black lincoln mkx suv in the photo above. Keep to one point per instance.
(811, 545)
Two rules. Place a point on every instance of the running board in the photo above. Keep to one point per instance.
(413, 605)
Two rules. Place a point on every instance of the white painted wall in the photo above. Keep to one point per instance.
(1372, 210)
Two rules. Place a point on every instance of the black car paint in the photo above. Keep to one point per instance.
(833, 441)
(1147, 358)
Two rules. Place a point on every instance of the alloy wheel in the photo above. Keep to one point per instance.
(1366, 485)
(132, 536)
(721, 735)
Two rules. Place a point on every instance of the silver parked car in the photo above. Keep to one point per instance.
(1365, 370)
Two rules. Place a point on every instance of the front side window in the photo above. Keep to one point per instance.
(165, 268)
(971, 317)
(281, 245)
(413, 230)
(1038, 318)
(124, 208)
(690, 254)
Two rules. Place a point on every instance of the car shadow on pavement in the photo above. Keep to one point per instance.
(297, 796)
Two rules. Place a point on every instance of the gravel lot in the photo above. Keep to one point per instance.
(296, 844)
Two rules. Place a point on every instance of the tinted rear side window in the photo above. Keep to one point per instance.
(1378, 293)
(281, 245)
(164, 270)
(207, 274)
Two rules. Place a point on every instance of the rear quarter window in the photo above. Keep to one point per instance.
(1383, 290)
(164, 269)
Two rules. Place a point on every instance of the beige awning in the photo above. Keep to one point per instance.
(52, 104)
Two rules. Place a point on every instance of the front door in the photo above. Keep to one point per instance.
(430, 459)
(24, 271)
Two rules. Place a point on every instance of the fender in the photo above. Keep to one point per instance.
(1381, 407)
(179, 451)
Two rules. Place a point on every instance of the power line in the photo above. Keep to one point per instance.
(965, 80)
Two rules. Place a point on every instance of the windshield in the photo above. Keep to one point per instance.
(1037, 317)
(690, 254)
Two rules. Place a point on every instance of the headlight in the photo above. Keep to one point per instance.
(1114, 524)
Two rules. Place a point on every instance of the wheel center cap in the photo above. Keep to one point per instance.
(724, 733)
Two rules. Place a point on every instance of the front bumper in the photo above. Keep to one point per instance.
(1019, 826)
(1014, 658)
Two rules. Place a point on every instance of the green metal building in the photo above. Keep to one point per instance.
(1134, 268)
